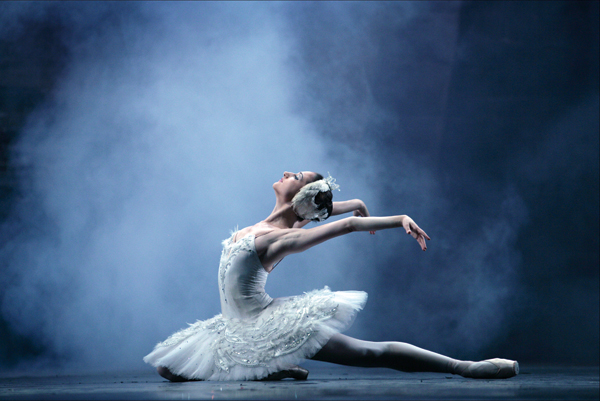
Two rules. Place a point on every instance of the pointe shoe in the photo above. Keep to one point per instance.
(294, 372)
(492, 369)
(167, 374)
(298, 373)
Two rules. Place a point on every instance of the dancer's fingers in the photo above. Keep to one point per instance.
(421, 241)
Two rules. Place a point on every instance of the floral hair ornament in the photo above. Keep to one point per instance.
(303, 203)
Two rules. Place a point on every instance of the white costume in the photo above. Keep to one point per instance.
(255, 335)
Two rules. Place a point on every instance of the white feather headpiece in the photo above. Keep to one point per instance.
(304, 204)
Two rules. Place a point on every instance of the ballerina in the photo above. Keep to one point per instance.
(257, 337)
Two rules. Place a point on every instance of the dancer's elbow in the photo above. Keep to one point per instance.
(351, 224)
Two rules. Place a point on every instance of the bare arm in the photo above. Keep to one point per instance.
(356, 206)
(280, 243)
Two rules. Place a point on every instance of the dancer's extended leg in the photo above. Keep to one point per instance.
(345, 350)
(349, 351)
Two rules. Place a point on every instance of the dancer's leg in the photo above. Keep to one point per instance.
(293, 372)
(345, 350)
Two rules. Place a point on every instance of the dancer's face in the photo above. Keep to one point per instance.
(290, 183)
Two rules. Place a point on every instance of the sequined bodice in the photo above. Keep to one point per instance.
(242, 279)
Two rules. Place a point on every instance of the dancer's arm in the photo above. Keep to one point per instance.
(356, 206)
(280, 243)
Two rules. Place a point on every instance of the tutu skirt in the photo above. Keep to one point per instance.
(286, 332)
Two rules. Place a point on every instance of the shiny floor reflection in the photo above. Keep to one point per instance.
(326, 382)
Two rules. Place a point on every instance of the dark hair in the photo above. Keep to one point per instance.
(325, 200)
(322, 199)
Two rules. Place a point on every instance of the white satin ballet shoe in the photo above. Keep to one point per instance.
(492, 369)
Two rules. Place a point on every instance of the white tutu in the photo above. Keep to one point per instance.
(286, 332)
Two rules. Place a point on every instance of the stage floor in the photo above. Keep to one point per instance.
(325, 382)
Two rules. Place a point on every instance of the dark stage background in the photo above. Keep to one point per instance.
(135, 135)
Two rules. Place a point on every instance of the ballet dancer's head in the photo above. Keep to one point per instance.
(290, 184)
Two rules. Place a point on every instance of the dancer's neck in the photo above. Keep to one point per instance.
(282, 216)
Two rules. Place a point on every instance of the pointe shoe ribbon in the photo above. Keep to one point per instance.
(492, 369)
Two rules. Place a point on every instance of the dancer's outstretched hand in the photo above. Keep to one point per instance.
(417, 233)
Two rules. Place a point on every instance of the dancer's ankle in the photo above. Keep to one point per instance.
(457, 367)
